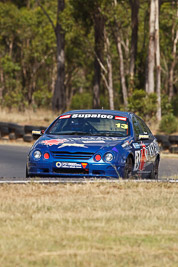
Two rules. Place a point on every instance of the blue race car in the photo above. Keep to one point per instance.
(95, 143)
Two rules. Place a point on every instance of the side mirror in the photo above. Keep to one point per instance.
(143, 136)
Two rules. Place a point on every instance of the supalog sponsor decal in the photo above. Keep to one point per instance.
(69, 165)
(88, 115)
(102, 116)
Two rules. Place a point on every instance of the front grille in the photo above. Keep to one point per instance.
(71, 155)
(70, 171)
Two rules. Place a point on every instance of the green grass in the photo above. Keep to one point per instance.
(126, 224)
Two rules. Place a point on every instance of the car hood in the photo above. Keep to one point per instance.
(78, 143)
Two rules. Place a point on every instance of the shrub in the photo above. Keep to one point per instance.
(174, 103)
(42, 98)
(143, 104)
(136, 104)
(81, 101)
(168, 124)
(166, 106)
(14, 99)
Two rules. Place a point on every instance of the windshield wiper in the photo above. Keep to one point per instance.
(72, 133)
(77, 133)
(109, 134)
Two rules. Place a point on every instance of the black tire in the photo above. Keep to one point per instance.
(12, 136)
(128, 169)
(173, 149)
(166, 145)
(27, 138)
(154, 172)
(3, 124)
(27, 174)
(173, 139)
(29, 128)
(19, 131)
(160, 147)
(162, 138)
(12, 127)
(4, 131)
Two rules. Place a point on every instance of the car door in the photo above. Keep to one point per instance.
(143, 141)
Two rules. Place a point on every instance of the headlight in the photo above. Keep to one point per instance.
(37, 154)
(108, 157)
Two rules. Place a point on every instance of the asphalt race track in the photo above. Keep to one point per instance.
(13, 162)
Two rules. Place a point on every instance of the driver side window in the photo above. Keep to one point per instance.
(136, 127)
(144, 127)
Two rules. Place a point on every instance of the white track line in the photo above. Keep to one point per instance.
(62, 181)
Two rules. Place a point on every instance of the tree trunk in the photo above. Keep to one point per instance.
(11, 44)
(121, 65)
(171, 72)
(1, 84)
(110, 79)
(53, 76)
(122, 70)
(158, 67)
(98, 29)
(59, 97)
(134, 39)
(109, 83)
(151, 50)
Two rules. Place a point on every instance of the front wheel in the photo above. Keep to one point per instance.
(27, 174)
(154, 171)
(128, 169)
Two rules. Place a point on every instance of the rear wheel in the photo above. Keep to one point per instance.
(154, 171)
(128, 169)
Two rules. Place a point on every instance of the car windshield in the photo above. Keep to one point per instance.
(90, 124)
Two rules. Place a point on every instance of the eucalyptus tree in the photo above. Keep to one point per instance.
(90, 15)
(150, 82)
(59, 95)
(157, 61)
(118, 25)
(10, 69)
(135, 4)
(174, 56)
(154, 56)
(26, 54)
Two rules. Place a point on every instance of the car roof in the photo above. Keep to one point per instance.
(101, 111)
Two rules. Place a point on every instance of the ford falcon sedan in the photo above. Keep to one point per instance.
(95, 143)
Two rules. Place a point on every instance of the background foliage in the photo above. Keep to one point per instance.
(28, 54)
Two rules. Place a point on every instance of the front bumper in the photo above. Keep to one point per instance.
(53, 169)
